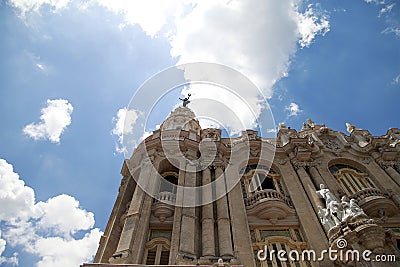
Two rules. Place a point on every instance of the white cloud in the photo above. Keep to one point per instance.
(56, 116)
(311, 24)
(17, 200)
(396, 80)
(7, 260)
(220, 108)
(389, 13)
(57, 251)
(34, 5)
(293, 109)
(54, 210)
(45, 228)
(257, 37)
(150, 15)
(40, 66)
(386, 9)
(124, 123)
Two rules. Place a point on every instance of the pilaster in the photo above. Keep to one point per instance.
(311, 226)
(207, 222)
(223, 221)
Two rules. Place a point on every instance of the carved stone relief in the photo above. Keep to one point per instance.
(331, 143)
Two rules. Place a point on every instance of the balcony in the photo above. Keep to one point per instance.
(375, 203)
(163, 206)
(269, 204)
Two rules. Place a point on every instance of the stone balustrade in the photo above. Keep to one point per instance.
(266, 194)
(165, 197)
(367, 192)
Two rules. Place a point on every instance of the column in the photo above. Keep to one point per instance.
(330, 180)
(223, 222)
(176, 228)
(240, 225)
(310, 189)
(393, 174)
(207, 222)
(316, 176)
(188, 225)
(109, 240)
(142, 230)
(314, 234)
(125, 244)
(385, 181)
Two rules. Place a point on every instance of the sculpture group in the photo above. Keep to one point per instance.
(337, 212)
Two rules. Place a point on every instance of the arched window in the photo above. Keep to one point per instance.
(167, 184)
(274, 241)
(257, 178)
(158, 248)
(351, 180)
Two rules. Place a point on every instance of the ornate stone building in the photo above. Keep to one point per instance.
(274, 206)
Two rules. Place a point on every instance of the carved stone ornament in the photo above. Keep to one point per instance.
(388, 163)
(361, 137)
(211, 133)
(299, 164)
(309, 124)
(330, 143)
(394, 137)
(182, 118)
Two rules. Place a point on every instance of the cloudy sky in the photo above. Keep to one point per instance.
(69, 68)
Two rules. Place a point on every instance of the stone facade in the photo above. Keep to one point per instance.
(274, 206)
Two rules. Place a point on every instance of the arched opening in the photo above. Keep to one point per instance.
(158, 247)
(168, 184)
(351, 179)
(256, 178)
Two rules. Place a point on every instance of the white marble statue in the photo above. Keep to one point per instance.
(337, 212)
(328, 220)
(326, 194)
(345, 208)
(355, 209)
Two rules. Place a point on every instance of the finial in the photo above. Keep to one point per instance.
(185, 100)
(350, 127)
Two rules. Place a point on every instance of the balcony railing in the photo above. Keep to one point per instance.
(165, 197)
(267, 194)
(367, 192)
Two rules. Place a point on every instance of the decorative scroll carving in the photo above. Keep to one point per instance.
(394, 137)
(359, 136)
(304, 164)
(211, 133)
(388, 163)
(350, 127)
(250, 135)
(309, 124)
(330, 143)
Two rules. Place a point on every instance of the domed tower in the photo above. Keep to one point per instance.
(156, 218)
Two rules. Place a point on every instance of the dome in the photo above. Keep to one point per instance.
(182, 118)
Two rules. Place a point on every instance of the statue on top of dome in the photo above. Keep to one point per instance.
(185, 100)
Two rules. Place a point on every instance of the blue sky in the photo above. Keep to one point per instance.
(76, 65)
